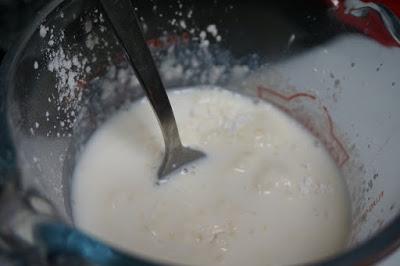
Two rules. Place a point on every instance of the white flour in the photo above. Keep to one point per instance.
(71, 69)
(43, 31)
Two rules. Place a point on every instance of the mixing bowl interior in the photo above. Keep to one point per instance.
(69, 75)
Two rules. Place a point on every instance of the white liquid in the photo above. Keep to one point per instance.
(266, 194)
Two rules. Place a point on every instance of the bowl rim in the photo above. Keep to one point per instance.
(368, 252)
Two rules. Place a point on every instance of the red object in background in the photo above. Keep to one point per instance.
(371, 24)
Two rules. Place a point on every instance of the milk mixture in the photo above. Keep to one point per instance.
(266, 194)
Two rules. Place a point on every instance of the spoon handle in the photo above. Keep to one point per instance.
(127, 28)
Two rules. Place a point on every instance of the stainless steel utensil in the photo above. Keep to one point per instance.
(122, 17)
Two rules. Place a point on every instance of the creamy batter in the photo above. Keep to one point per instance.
(267, 194)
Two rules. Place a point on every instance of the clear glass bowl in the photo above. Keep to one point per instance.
(333, 69)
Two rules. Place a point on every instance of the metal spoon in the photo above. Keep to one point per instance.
(126, 26)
